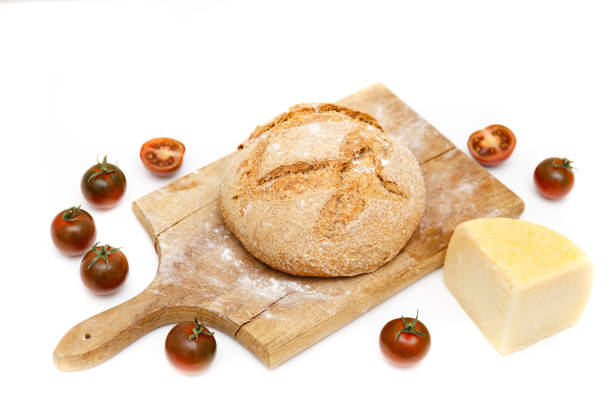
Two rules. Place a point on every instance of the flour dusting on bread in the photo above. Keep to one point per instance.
(321, 190)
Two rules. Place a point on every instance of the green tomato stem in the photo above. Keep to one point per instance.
(199, 329)
(101, 253)
(410, 327)
(565, 164)
(104, 169)
(72, 213)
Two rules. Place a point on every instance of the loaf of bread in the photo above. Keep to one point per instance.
(321, 190)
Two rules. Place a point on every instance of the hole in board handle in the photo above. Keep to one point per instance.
(86, 336)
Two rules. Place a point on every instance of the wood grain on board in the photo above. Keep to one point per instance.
(203, 269)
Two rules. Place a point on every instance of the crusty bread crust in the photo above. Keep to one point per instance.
(321, 190)
(310, 108)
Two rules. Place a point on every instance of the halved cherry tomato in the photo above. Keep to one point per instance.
(162, 155)
(492, 145)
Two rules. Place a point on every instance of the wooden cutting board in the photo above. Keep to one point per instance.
(203, 269)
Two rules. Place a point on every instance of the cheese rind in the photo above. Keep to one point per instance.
(518, 281)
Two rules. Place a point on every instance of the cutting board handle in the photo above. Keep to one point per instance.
(105, 334)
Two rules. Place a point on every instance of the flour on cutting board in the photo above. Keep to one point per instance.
(212, 261)
(414, 130)
(465, 193)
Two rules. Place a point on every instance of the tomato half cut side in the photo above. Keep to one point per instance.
(162, 156)
(492, 145)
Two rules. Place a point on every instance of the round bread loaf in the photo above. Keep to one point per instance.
(322, 191)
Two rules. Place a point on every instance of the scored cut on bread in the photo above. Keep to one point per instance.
(321, 190)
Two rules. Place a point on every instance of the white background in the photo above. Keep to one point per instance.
(80, 79)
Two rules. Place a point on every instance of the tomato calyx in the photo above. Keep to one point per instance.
(101, 253)
(104, 169)
(198, 330)
(410, 327)
(72, 213)
(565, 164)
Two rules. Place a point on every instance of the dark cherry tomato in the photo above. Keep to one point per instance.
(492, 145)
(190, 346)
(103, 269)
(162, 156)
(73, 231)
(554, 177)
(405, 341)
(103, 185)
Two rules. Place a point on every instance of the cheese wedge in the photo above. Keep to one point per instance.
(518, 281)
